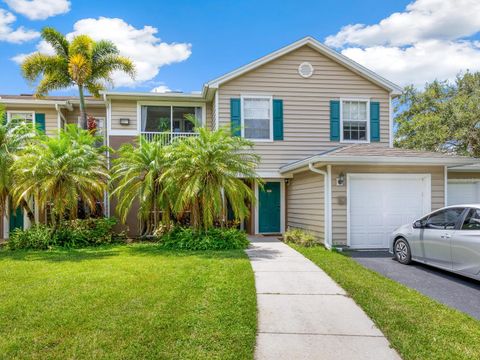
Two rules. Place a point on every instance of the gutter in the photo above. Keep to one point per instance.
(327, 191)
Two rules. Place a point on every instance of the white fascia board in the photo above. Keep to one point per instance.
(332, 54)
(377, 160)
(150, 95)
(34, 102)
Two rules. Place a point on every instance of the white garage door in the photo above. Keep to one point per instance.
(466, 192)
(379, 203)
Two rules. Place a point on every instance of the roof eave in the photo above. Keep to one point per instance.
(377, 160)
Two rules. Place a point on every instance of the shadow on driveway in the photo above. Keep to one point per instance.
(450, 289)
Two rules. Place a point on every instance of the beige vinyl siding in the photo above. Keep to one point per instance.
(306, 103)
(51, 116)
(339, 193)
(464, 175)
(305, 203)
(209, 114)
(124, 109)
(72, 116)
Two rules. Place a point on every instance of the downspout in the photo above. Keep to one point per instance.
(327, 203)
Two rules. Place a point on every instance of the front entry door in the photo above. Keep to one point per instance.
(16, 219)
(269, 208)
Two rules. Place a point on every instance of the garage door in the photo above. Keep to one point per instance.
(463, 192)
(378, 203)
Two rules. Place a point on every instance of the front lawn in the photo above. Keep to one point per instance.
(126, 302)
(416, 326)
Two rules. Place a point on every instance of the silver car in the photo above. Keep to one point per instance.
(448, 238)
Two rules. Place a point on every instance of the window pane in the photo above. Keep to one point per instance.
(362, 111)
(156, 118)
(445, 219)
(346, 110)
(256, 118)
(22, 116)
(472, 221)
(354, 111)
(354, 130)
(180, 122)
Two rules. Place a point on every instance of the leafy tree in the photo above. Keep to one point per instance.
(443, 117)
(81, 62)
(60, 171)
(14, 137)
(201, 169)
(136, 179)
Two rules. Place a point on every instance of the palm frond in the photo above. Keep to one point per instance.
(57, 40)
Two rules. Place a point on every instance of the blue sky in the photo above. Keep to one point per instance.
(214, 37)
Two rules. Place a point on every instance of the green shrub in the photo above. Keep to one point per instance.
(37, 237)
(183, 238)
(70, 234)
(299, 237)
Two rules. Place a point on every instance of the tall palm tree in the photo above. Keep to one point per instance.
(60, 171)
(14, 136)
(136, 178)
(82, 62)
(206, 168)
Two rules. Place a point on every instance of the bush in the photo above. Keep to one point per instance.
(299, 237)
(182, 238)
(37, 237)
(70, 234)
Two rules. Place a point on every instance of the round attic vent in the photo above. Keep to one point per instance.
(305, 69)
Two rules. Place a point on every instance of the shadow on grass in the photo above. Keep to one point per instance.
(108, 251)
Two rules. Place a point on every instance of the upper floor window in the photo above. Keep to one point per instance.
(354, 119)
(257, 121)
(27, 116)
(173, 119)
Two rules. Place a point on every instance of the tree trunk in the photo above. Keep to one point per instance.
(83, 112)
(26, 207)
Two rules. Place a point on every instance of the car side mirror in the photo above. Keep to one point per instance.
(417, 224)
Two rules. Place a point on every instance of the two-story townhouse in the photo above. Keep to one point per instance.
(48, 115)
(323, 127)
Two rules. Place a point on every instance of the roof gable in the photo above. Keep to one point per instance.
(321, 48)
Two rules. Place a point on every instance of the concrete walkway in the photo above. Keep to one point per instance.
(304, 314)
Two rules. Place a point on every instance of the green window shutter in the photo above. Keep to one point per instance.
(235, 118)
(40, 122)
(277, 119)
(374, 121)
(334, 120)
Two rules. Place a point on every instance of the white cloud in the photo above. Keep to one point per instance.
(16, 36)
(428, 41)
(422, 20)
(161, 89)
(142, 46)
(39, 9)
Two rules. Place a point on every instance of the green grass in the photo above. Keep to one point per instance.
(416, 326)
(126, 302)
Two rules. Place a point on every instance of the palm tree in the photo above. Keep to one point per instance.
(82, 62)
(136, 178)
(14, 136)
(205, 169)
(60, 171)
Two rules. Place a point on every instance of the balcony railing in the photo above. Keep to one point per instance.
(167, 137)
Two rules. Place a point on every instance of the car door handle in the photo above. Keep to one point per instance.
(446, 236)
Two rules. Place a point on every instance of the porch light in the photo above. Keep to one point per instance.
(341, 179)
(124, 121)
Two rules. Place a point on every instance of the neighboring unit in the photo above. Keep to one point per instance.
(322, 125)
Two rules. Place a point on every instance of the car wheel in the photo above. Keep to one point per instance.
(402, 251)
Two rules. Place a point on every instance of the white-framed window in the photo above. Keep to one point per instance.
(27, 116)
(257, 118)
(354, 120)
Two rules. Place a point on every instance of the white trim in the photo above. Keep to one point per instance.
(356, 99)
(463, 181)
(242, 114)
(445, 185)
(123, 133)
(315, 44)
(10, 112)
(328, 210)
(6, 220)
(390, 121)
(282, 205)
(427, 198)
(217, 115)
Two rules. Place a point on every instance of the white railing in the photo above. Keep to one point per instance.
(167, 137)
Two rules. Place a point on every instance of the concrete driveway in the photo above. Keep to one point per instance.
(453, 290)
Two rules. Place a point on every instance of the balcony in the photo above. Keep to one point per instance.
(167, 137)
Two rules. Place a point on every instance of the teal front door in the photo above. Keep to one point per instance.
(269, 208)
(16, 219)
